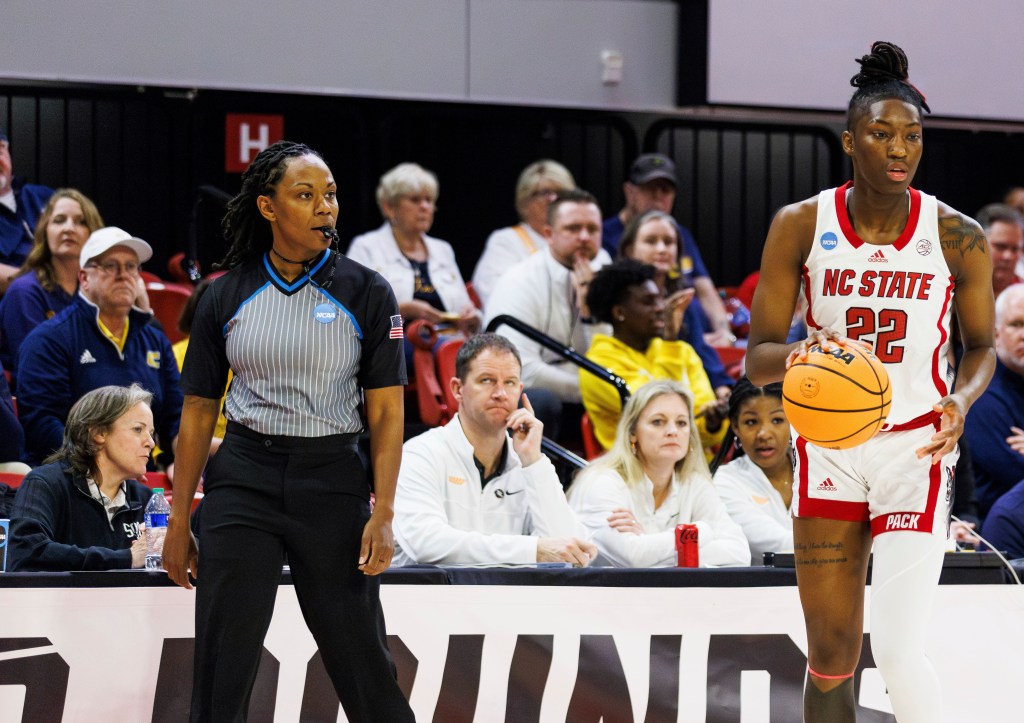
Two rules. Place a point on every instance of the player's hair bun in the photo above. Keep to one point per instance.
(886, 61)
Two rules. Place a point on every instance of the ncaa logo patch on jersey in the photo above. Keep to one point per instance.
(325, 313)
(828, 241)
(153, 359)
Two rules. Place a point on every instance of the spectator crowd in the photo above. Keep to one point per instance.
(91, 400)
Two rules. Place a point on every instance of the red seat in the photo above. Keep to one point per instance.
(445, 357)
(176, 269)
(149, 277)
(12, 479)
(433, 369)
(167, 300)
(155, 480)
(592, 448)
(732, 359)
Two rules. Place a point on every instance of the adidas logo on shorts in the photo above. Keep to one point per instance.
(827, 486)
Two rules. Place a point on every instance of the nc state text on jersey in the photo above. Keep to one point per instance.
(881, 284)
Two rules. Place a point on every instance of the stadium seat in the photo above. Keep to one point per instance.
(445, 357)
(176, 269)
(591, 447)
(155, 480)
(167, 300)
(732, 359)
(433, 368)
(12, 479)
(149, 277)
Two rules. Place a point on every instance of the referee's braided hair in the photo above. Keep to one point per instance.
(884, 74)
(243, 226)
(742, 392)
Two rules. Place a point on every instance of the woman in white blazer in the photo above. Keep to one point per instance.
(421, 269)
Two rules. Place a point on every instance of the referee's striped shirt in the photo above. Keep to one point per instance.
(300, 353)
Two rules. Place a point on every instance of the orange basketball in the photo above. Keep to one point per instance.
(837, 399)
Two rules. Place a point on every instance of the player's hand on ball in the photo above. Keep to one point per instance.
(826, 338)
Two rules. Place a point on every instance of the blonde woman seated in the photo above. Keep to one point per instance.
(654, 478)
(642, 348)
(506, 247)
(757, 485)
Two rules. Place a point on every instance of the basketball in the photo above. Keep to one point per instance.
(837, 399)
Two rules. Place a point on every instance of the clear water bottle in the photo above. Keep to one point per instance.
(157, 511)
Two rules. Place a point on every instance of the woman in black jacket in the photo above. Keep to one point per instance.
(83, 509)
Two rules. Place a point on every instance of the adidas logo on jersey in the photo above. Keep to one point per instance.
(87, 358)
(827, 486)
(878, 258)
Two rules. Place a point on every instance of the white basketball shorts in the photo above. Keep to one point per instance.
(881, 481)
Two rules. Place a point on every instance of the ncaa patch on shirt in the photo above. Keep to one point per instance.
(325, 313)
(828, 241)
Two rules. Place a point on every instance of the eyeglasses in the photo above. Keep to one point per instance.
(548, 194)
(114, 268)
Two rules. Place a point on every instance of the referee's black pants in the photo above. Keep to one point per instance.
(266, 496)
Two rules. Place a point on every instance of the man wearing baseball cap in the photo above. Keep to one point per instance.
(102, 338)
(651, 186)
(20, 205)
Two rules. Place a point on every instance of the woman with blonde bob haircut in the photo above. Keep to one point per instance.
(653, 478)
(536, 187)
(421, 269)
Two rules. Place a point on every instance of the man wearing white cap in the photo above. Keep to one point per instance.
(101, 339)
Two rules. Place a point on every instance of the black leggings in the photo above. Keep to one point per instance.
(308, 498)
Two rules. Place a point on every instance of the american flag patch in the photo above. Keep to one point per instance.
(396, 328)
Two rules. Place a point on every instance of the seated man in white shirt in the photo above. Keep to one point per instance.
(469, 493)
(548, 291)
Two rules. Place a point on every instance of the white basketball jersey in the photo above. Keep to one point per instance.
(896, 297)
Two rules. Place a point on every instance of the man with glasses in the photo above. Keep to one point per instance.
(101, 339)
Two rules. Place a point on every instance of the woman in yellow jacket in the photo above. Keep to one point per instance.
(642, 348)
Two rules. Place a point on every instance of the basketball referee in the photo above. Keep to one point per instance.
(309, 335)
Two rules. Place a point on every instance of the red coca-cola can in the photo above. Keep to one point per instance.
(687, 554)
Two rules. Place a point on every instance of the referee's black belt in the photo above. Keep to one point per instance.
(332, 442)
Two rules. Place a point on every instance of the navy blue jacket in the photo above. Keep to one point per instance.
(68, 356)
(16, 229)
(12, 438)
(1004, 526)
(56, 525)
(24, 306)
(997, 466)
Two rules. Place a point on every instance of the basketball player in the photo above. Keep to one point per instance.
(882, 264)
